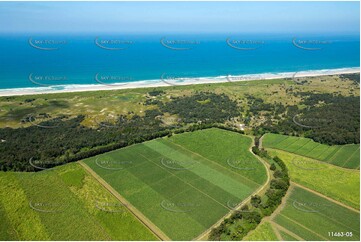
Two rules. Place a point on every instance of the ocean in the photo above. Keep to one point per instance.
(49, 60)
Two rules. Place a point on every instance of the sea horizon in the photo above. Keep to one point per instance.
(59, 60)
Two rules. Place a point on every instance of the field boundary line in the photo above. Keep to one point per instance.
(288, 144)
(341, 147)
(302, 145)
(297, 140)
(203, 236)
(275, 231)
(324, 196)
(151, 184)
(216, 163)
(279, 227)
(283, 203)
(265, 220)
(331, 219)
(329, 147)
(260, 141)
(279, 142)
(61, 183)
(302, 226)
(187, 183)
(142, 218)
(261, 138)
(310, 151)
(334, 155)
(357, 150)
(329, 156)
(323, 162)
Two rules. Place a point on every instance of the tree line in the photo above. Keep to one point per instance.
(64, 139)
(242, 221)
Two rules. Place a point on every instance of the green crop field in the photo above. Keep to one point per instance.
(183, 189)
(335, 182)
(347, 156)
(287, 237)
(227, 149)
(64, 203)
(312, 217)
(263, 232)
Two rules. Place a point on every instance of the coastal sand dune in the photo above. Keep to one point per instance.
(163, 83)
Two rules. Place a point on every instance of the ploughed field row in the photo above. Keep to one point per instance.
(186, 183)
(347, 156)
(334, 182)
(310, 217)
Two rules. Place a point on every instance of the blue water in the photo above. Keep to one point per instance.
(76, 59)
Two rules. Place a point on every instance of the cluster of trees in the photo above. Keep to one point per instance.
(257, 105)
(60, 140)
(278, 186)
(355, 77)
(202, 107)
(249, 216)
(156, 92)
(64, 139)
(329, 118)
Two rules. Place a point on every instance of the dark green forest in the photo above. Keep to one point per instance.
(63, 139)
(326, 118)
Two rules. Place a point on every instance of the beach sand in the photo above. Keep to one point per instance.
(170, 82)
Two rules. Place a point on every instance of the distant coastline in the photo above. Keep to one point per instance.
(169, 82)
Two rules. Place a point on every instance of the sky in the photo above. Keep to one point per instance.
(180, 17)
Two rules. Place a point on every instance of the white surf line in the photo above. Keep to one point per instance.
(159, 83)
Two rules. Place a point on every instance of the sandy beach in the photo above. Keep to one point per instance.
(164, 81)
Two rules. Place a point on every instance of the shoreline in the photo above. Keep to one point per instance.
(172, 82)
